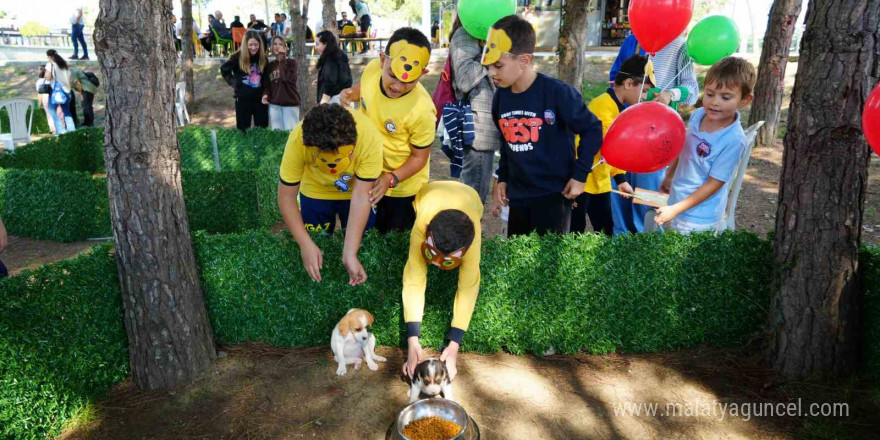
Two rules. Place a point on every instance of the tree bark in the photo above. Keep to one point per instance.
(169, 334)
(771, 70)
(188, 49)
(814, 318)
(298, 20)
(572, 42)
(328, 14)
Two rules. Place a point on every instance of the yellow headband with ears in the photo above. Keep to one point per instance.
(408, 61)
(497, 44)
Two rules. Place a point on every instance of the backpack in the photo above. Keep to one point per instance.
(92, 78)
(444, 94)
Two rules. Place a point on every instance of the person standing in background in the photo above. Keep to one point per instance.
(85, 85)
(279, 88)
(334, 73)
(44, 98)
(77, 25)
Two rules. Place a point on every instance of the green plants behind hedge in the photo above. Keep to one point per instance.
(869, 261)
(62, 343)
(80, 150)
(646, 292)
(40, 124)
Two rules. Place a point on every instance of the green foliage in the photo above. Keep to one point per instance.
(592, 89)
(39, 125)
(68, 204)
(50, 205)
(869, 260)
(646, 292)
(33, 29)
(62, 343)
(80, 150)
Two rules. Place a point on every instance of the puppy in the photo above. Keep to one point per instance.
(352, 342)
(431, 378)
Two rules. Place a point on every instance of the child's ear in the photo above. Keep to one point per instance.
(746, 101)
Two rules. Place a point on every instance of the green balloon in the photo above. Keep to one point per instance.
(477, 16)
(712, 39)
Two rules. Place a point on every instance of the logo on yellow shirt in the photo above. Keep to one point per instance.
(332, 162)
(390, 127)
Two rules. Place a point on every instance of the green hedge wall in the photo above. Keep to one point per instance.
(68, 204)
(645, 292)
(62, 343)
(869, 260)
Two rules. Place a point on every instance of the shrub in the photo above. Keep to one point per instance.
(62, 343)
(869, 260)
(646, 292)
(80, 150)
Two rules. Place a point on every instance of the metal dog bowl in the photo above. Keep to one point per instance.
(434, 407)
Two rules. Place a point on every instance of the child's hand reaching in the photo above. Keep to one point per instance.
(625, 187)
(665, 214)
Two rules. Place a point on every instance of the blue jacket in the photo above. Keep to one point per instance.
(458, 119)
(627, 49)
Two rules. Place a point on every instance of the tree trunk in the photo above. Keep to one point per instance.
(815, 314)
(298, 20)
(572, 42)
(188, 49)
(328, 14)
(771, 69)
(169, 334)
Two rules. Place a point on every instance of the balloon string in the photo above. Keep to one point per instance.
(599, 162)
(672, 81)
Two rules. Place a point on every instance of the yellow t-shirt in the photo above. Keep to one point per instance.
(430, 200)
(599, 181)
(406, 122)
(302, 165)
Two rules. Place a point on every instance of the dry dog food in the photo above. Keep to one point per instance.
(431, 428)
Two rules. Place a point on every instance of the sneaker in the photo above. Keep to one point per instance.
(74, 57)
(84, 58)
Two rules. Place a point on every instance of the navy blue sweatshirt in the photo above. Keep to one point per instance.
(537, 128)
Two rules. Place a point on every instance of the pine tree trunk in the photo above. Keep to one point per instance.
(298, 20)
(815, 314)
(572, 42)
(328, 14)
(771, 70)
(188, 49)
(169, 334)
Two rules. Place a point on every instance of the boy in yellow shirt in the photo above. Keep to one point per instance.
(446, 234)
(392, 97)
(632, 82)
(331, 160)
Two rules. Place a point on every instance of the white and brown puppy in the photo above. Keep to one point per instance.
(431, 378)
(352, 342)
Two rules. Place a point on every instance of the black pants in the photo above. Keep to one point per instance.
(598, 208)
(88, 111)
(73, 109)
(548, 214)
(247, 108)
(365, 24)
(395, 214)
(3, 272)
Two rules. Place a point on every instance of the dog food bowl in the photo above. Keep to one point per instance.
(434, 407)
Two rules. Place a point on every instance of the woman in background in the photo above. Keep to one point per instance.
(334, 73)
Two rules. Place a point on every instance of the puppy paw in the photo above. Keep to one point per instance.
(341, 370)
(372, 366)
(379, 358)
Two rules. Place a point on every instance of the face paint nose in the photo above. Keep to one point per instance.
(331, 165)
(407, 67)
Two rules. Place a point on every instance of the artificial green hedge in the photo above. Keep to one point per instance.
(644, 292)
(869, 261)
(69, 204)
(62, 343)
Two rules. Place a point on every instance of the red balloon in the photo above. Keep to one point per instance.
(656, 23)
(644, 138)
(871, 119)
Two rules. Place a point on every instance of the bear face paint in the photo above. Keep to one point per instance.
(438, 258)
(497, 43)
(333, 162)
(408, 61)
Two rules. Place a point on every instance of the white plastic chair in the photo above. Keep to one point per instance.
(19, 122)
(730, 211)
(180, 104)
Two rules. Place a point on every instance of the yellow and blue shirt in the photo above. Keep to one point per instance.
(606, 107)
(299, 165)
(406, 122)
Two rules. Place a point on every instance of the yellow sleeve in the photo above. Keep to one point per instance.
(293, 161)
(468, 286)
(423, 130)
(369, 166)
(415, 279)
(603, 113)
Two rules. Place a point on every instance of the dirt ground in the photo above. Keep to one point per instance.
(270, 393)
